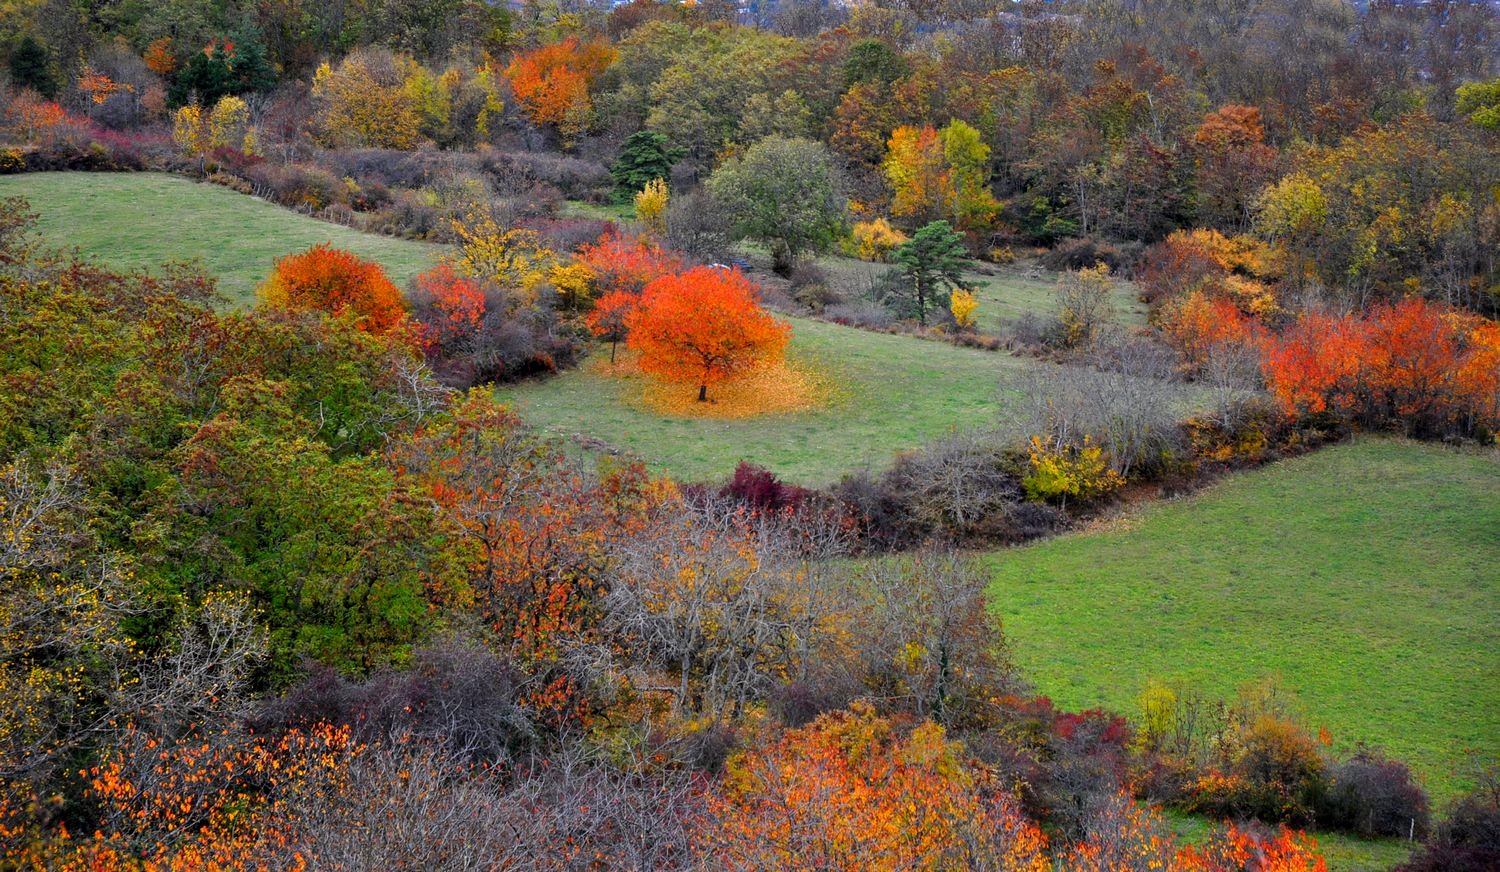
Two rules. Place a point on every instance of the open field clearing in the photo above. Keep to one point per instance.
(141, 220)
(878, 394)
(1363, 576)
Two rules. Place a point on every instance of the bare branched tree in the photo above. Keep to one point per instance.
(1126, 398)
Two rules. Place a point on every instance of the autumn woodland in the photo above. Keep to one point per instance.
(764, 435)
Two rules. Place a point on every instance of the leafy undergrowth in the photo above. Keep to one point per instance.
(142, 220)
(1344, 852)
(1363, 576)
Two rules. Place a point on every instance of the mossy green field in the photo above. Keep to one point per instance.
(1364, 577)
(142, 220)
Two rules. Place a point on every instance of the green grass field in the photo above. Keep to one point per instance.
(1005, 292)
(1363, 576)
(891, 393)
(1012, 291)
(141, 220)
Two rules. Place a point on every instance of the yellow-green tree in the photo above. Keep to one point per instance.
(190, 132)
(364, 102)
(651, 206)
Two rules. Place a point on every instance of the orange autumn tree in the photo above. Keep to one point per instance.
(703, 327)
(1423, 365)
(608, 319)
(626, 263)
(551, 83)
(850, 792)
(332, 280)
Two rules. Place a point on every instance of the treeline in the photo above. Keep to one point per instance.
(1298, 122)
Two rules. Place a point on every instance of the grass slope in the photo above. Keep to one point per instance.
(1007, 292)
(141, 220)
(1364, 576)
(892, 393)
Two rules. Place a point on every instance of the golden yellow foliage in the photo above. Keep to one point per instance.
(511, 257)
(651, 206)
(779, 389)
(965, 308)
(874, 240)
(574, 283)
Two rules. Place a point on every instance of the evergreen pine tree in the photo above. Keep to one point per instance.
(933, 256)
(252, 69)
(30, 67)
(645, 157)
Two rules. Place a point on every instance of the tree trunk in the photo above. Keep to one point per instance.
(703, 393)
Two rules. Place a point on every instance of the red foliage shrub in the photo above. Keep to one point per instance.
(331, 280)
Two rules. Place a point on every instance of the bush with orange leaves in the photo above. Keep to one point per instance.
(1425, 367)
(224, 801)
(627, 263)
(1198, 323)
(703, 327)
(332, 280)
(852, 792)
(552, 84)
(1207, 289)
(1125, 836)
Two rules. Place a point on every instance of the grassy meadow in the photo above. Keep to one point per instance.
(1361, 576)
(879, 394)
(141, 220)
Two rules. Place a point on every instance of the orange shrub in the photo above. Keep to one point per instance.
(332, 280)
(702, 327)
(1424, 365)
(1195, 323)
(848, 792)
(457, 303)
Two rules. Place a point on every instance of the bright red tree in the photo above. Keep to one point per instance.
(608, 320)
(702, 327)
(332, 280)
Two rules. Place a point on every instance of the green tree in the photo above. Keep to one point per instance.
(872, 62)
(934, 256)
(968, 159)
(1480, 103)
(787, 115)
(645, 157)
(205, 78)
(251, 69)
(30, 68)
(786, 194)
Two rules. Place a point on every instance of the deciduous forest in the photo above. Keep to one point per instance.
(585, 435)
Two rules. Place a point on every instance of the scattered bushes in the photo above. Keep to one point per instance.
(458, 697)
(1468, 839)
(1373, 795)
(1077, 254)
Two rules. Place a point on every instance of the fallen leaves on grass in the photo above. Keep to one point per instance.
(777, 389)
